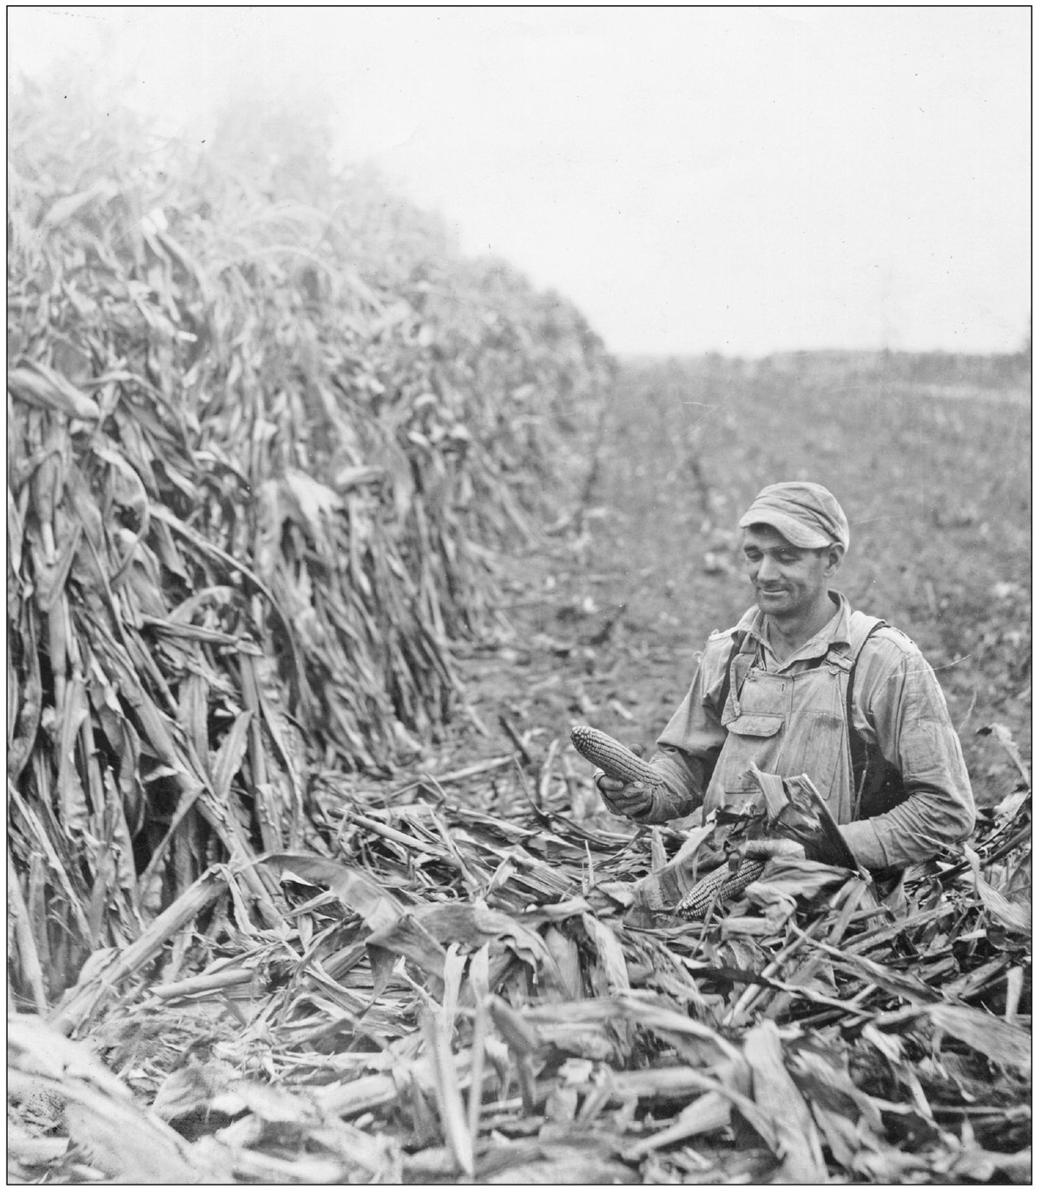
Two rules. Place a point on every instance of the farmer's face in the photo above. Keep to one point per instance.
(789, 581)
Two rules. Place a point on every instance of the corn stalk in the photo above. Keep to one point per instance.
(260, 457)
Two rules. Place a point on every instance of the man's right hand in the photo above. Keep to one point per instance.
(627, 800)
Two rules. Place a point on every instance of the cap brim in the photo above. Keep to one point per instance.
(797, 533)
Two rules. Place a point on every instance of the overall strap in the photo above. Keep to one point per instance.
(863, 629)
(736, 649)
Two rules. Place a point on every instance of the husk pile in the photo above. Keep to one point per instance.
(259, 453)
(456, 994)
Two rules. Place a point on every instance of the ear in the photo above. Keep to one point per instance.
(833, 558)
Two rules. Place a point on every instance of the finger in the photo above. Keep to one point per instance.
(773, 848)
(762, 848)
(635, 803)
(757, 849)
(636, 806)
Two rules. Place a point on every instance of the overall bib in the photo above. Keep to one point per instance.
(788, 724)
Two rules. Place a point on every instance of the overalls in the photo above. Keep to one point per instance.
(789, 724)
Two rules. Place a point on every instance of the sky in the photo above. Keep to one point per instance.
(735, 179)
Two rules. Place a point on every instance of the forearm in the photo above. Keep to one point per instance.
(919, 828)
(907, 717)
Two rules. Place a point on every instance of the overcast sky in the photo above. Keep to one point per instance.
(734, 179)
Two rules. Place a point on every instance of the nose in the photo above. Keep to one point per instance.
(767, 569)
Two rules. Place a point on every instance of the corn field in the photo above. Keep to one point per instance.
(271, 441)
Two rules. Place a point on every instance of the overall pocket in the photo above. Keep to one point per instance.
(751, 738)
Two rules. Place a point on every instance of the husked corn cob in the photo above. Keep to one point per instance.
(612, 757)
(719, 884)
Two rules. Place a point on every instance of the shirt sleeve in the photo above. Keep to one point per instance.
(900, 708)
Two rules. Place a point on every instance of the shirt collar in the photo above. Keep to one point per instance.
(834, 633)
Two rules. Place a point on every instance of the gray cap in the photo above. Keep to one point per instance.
(805, 513)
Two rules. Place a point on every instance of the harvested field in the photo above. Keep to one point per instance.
(305, 883)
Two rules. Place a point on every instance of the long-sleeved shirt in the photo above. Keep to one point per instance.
(790, 718)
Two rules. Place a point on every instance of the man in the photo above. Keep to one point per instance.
(781, 690)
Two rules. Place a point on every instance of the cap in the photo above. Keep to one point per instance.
(805, 513)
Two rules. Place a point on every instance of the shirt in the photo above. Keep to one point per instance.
(792, 720)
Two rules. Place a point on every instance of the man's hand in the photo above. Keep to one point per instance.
(775, 847)
(627, 800)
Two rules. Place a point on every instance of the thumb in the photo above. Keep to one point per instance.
(637, 748)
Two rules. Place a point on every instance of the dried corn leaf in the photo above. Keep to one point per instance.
(1004, 1044)
(34, 382)
(377, 906)
(793, 1135)
(126, 1143)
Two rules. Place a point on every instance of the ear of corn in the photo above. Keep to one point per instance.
(720, 884)
(612, 757)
